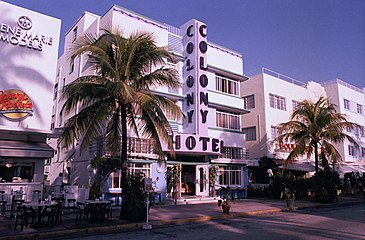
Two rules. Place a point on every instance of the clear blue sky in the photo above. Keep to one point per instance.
(305, 39)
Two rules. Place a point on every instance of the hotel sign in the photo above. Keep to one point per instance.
(21, 35)
(196, 80)
(197, 143)
(15, 105)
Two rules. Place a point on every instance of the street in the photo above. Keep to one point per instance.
(324, 223)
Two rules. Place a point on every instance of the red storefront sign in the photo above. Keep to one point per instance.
(15, 105)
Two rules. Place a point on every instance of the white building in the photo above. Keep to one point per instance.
(28, 54)
(211, 137)
(350, 100)
(271, 97)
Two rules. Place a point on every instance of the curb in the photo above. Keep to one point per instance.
(138, 225)
(131, 226)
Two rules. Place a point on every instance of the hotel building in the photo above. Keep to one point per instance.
(211, 135)
(271, 97)
(350, 100)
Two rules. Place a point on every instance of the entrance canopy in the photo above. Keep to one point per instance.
(25, 149)
(304, 167)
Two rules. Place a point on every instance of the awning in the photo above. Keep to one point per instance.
(25, 149)
(304, 167)
(342, 169)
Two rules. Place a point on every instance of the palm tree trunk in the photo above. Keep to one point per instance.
(123, 158)
(316, 157)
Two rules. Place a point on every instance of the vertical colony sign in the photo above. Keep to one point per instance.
(195, 89)
(196, 80)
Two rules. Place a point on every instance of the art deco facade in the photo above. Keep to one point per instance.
(210, 76)
(271, 97)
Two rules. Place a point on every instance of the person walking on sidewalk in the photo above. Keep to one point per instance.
(58, 183)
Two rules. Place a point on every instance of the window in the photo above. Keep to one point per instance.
(226, 85)
(277, 102)
(74, 34)
(351, 150)
(227, 120)
(348, 129)
(72, 65)
(100, 147)
(361, 131)
(250, 133)
(133, 168)
(233, 152)
(138, 168)
(296, 105)
(55, 91)
(147, 69)
(231, 175)
(249, 102)
(60, 119)
(359, 108)
(346, 104)
(274, 132)
(48, 161)
(63, 83)
(58, 152)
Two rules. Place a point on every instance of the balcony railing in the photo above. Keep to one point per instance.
(136, 147)
(235, 153)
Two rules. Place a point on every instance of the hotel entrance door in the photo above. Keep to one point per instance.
(201, 180)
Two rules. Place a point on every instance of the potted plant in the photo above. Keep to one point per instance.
(212, 178)
(289, 196)
(226, 206)
(224, 201)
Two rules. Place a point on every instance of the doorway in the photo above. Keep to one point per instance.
(188, 180)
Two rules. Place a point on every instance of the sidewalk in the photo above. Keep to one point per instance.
(162, 215)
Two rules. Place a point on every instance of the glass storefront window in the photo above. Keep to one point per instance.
(9, 170)
(230, 175)
(133, 168)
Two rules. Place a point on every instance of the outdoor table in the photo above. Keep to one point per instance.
(95, 208)
(40, 205)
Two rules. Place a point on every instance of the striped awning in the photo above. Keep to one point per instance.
(25, 149)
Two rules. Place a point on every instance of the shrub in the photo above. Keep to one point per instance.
(327, 182)
(135, 199)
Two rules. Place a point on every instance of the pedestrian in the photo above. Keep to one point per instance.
(58, 183)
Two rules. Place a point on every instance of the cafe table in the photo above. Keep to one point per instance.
(40, 206)
(95, 208)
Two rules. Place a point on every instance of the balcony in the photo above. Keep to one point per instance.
(137, 148)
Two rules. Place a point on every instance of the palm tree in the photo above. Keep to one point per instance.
(315, 125)
(120, 96)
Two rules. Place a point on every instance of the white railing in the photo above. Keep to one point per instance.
(343, 83)
(135, 146)
(173, 30)
(283, 77)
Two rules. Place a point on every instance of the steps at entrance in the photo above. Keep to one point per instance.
(196, 200)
